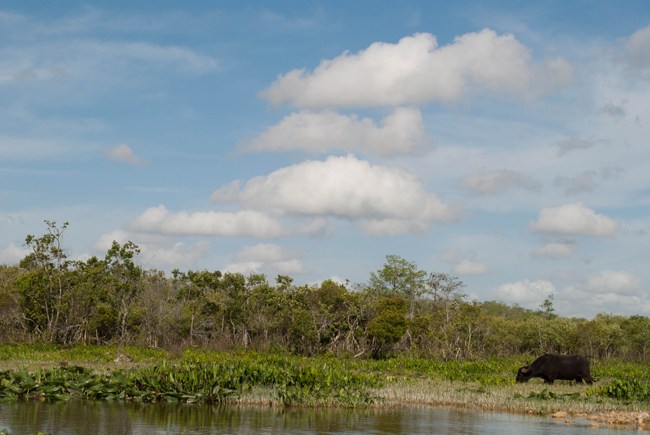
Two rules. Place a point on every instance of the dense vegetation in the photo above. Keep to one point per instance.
(48, 298)
(202, 375)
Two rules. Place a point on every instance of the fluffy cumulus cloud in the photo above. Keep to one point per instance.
(525, 293)
(123, 153)
(609, 291)
(267, 258)
(12, 254)
(244, 223)
(402, 132)
(156, 251)
(346, 188)
(588, 180)
(555, 250)
(574, 219)
(416, 70)
(636, 53)
(463, 266)
(610, 281)
(467, 267)
(497, 181)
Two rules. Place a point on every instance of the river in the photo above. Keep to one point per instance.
(119, 418)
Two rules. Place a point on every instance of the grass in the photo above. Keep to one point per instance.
(280, 379)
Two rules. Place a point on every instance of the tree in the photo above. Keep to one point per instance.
(399, 277)
(126, 281)
(43, 288)
(547, 308)
(388, 327)
(194, 289)
(445, 291)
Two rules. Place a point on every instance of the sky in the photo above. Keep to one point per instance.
(503, 143)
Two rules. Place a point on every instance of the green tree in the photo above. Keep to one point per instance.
(446, 292)
(125, 283)
(399, 277)
(194, 288)
(548, 310)
(43, 288)
(389, 326)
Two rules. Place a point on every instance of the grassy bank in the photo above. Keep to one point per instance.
(61, 373)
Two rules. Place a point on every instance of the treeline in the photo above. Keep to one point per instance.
(114, 300)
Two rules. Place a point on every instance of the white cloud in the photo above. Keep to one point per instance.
(156, 251)
(498, 181)
(574, 219)
(267, 258)
(12, 254)
(416, 70)
(244, 223)
(402, 132)
(617, 292)
(123, 153)
(555, 250)
(343, 187)
(525, 293)
(588, 180)
(609, 281)
(637, 51)
(106, 240)
(463, 266)
(467, 267)
(179, 254)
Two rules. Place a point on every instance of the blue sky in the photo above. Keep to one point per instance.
(504, 144)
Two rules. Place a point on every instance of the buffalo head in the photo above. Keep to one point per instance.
(524, 374)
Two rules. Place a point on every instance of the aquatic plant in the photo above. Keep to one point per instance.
(624, 389)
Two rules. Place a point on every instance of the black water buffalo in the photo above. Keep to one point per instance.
(551, 367)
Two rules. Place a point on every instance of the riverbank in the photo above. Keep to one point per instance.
(279, 380)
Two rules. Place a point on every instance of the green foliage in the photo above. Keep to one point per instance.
(625, 389)
(398, 277)
(390, 324)
(204, 377)
(112, 300)
(547, 308)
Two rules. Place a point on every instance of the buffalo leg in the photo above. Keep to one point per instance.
(578, 380)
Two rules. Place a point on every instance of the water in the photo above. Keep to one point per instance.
(118, 418)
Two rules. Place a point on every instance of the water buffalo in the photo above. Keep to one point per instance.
(551, 367)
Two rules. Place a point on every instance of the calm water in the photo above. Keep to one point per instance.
(106, 418)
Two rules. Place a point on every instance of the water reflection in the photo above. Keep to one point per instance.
(114, 418)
